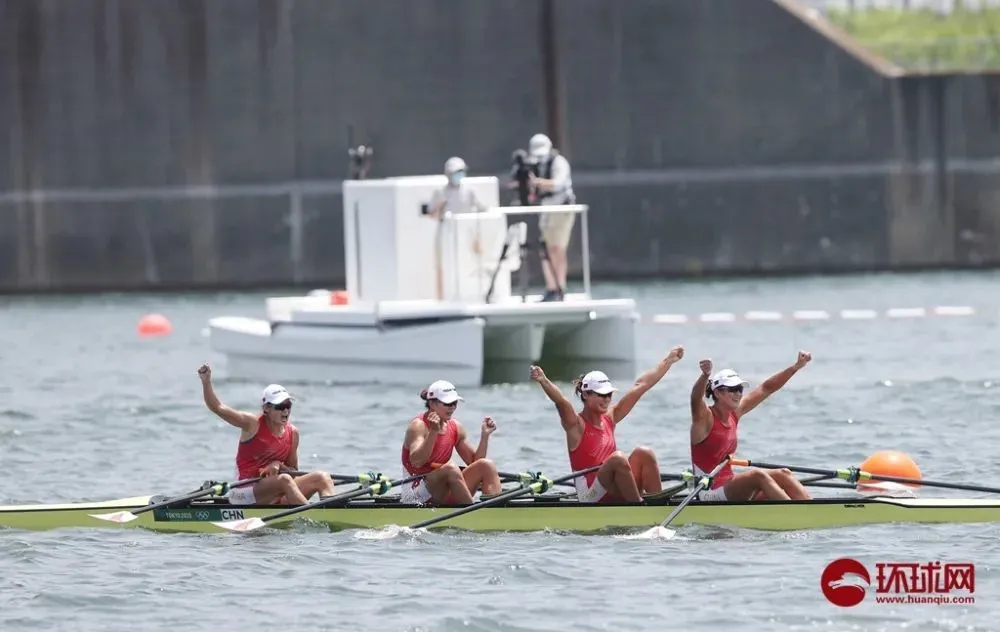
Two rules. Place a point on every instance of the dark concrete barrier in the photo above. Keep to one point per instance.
(717, 136)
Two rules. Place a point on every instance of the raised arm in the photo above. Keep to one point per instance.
(420, 438)
(464, 448)
(567, 414)
(772, 384)
(643, 383)
(701, 416)
(242, 420)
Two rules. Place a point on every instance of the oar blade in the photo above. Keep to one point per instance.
(241, 526)
(658, 532)
(388, 532)
(118, 517)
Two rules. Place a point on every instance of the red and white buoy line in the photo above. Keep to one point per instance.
(894, 313)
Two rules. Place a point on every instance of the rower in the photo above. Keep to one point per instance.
(590, 434)
(714, 432)
(268, 447)
(430, 439)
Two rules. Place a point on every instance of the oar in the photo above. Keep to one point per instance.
(705, 481)
(537, 487)
(379, 487)
(812, 480)
(854, 475)
(217, 489)
(363, 478)
(506, 477)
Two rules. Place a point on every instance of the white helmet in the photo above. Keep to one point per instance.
(453, 165)
(540, 146)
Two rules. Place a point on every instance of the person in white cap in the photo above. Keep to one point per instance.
(714, 430)
(553, 186)
(453, 197)
(430, 440)
(268, 447)
(590, 434)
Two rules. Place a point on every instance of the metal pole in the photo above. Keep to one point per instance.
(295, 221)
(585, 246)
(552, 77)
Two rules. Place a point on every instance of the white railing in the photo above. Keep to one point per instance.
(582, 210)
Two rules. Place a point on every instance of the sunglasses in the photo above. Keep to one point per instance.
(601, 395)
(285, 405)
(731, 389)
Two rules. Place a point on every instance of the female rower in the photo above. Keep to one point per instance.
(430, 439)
(268, 445)
(714, 435)
(590, 434)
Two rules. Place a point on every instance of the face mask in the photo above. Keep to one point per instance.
(456, 177)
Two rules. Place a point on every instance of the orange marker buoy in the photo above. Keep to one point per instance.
(154, 325)
(890, 463)
(338, 297)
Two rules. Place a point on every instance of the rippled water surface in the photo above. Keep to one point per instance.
(89, 411)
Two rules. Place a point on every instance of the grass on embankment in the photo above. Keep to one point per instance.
(926, 40)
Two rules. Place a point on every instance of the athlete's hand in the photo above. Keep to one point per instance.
(435, 423)
(705, 366)
(489, 426)
(271, 470)
(804, 358)
(205, 372)
(675, 354)
(537, 374)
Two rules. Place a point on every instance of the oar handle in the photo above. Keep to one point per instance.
(802, 470)
(506, 477)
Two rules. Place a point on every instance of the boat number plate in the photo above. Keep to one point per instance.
(208, 514)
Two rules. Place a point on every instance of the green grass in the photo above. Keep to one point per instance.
(927, 41)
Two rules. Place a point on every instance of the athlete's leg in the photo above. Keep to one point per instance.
(645, 470)
(314, 482)
(744, 486)
(446, 484)
(790, 484)
(616, 477)
(482, 473)
(280, 488)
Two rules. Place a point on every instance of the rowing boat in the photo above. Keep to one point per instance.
(543, 512)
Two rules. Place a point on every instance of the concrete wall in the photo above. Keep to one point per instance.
(710, 136)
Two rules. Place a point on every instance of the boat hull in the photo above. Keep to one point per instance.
(526, 515)
(307, 340)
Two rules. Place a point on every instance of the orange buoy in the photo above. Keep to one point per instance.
(891, 463)
(154, 325)
(338, 297)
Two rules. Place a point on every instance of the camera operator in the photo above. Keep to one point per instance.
(523, 169)
(552, 185)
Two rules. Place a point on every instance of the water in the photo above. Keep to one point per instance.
(88, 411)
